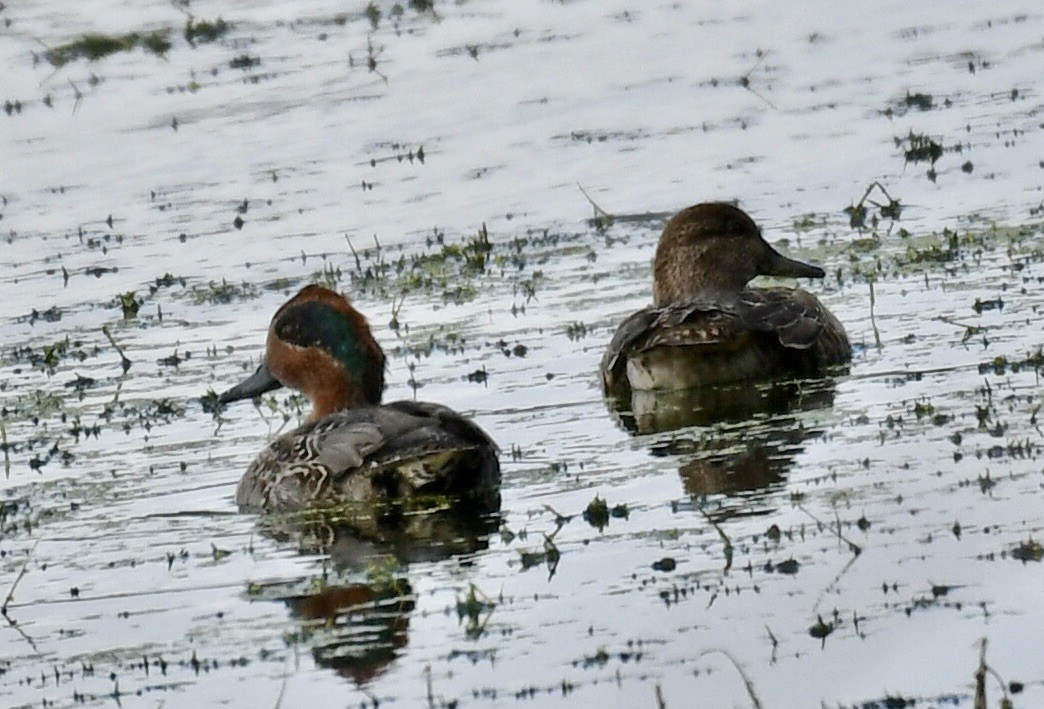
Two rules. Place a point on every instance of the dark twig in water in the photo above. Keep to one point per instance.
(873, 321)
(279, 699)
(602, 218)
(552, 554)
(115, 397)
(371, 58)
(878, 185)
(126, 363)
(724, 538)
(969, 330)
(560, 519)
(78, 95)
(478, 608)
(21, 632)
(745, 79)
(660, 704)
(427, 677)
(49, 48)
(980, 680)
(7, 455)
(837, 577)
(852, 546)
(775, 644)
(394, 324)
(754, 700)
(358, 263)
(10, 594)
(857, 212)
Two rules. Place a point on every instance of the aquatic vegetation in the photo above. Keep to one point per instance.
(476, 608)
(129, 304)
(47, 357)
(942, 251)
(858, 212)
(52, 314)
(216, 293)
(597, 513)
(442, 339)
(146, 414)
(1029, 550)
(811, 222)
(919, 101)
(98, 46)
(456, 273)
(243, 61)
(373, 13)
(1001, 364)
(918, 147)
(205, 31)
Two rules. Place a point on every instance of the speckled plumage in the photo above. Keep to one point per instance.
(353, 449)
(706, 326)
(370, 454)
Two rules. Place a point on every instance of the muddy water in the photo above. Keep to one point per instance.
(130, 577)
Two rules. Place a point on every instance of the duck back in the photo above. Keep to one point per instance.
(703, 340)
(372, 454)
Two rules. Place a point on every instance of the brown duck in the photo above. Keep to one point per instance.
(706, 326)
(353, 448)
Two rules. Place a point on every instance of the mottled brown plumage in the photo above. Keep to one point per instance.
(353, 449)
(706, 326)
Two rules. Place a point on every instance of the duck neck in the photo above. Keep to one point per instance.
(329, 400)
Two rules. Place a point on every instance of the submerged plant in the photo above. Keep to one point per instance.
(859, 212)
(205, 31)
(95, 46)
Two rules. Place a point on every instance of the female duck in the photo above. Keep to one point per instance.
(352, 449)
(706, 326)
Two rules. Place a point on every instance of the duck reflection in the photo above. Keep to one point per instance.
(642, 412)
(752, 433)
(356, 630)
(738, 462)
(416, 531)
(359, 629)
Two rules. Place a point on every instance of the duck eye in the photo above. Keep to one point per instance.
(296, 333)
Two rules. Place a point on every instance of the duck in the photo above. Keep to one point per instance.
(707, 326)
(353, 448)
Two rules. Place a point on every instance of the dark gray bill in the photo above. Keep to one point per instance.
(256, 384)
(776, 264)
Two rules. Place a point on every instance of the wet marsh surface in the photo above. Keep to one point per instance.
(171, 173)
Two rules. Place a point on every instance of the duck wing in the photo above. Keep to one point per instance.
(796, 317)
(372, 453)
(793, 316)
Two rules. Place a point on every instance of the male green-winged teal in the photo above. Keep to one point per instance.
(353, 449)
(706, 326)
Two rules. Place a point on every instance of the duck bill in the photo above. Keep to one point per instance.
(256, 384)
(776, 264)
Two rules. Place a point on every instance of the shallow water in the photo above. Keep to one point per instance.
(143, 584)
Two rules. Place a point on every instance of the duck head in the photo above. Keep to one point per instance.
(714, 248)
(322, 346)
